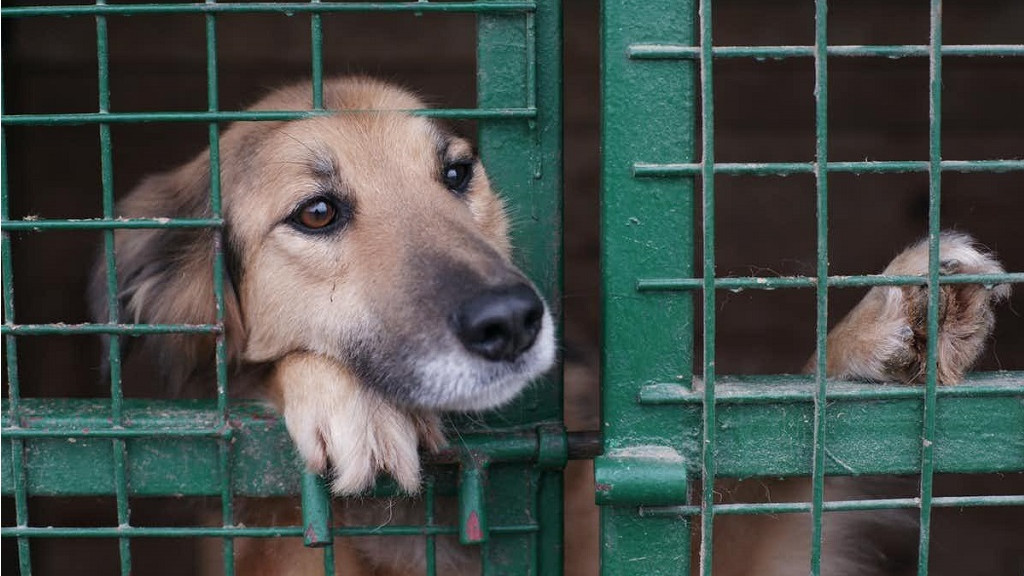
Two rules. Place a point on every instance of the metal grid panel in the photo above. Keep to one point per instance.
(223, 448)
(660, 431)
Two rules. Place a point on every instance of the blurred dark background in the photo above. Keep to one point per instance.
(878, 110)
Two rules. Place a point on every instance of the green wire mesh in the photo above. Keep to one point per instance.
(657, 82)
(224, 448)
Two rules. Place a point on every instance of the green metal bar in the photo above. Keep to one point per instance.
(551, 521)
(776, 282)
(518, 65)
(647, 230)
(118, 447)
(316, 36)
(162, 435)
(316, 511)
(928, 427)
(837, 505)
(252, 115)
(670, 170)
(868, 435)
(114, 329)
(328, 560)
(268, 8)
(241, 531)
(110, 224)
(224, 446)
(472, 512)
(821, 284)
(783, 388)
(707, 164)
(679, 52)
(13, 412)
(124, 433)
(429, 500)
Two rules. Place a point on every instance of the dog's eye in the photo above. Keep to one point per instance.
(456, 176)
(316, 214)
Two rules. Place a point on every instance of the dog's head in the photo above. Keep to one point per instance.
(371, 238)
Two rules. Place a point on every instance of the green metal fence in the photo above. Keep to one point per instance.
(663, 435)
(505, 468)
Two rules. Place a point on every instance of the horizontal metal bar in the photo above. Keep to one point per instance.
(764, 425)
(772, 283)
(60, 329)
(836, 506)
(238, 531)
(648, 170)
(37, 225)
(67, 443)
(288, 8)
(681, 52)
(172, 432)
(780, 389)
(249, 115)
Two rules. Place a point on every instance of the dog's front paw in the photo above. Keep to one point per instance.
(885, 337)
(346, 429)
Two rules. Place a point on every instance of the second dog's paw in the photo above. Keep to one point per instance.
(885, 337)
(338, 424)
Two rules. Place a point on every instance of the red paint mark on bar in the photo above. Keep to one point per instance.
(473, 531)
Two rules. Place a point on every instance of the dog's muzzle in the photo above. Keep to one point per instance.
(500, 324)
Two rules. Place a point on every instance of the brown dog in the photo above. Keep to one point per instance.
(370, 287)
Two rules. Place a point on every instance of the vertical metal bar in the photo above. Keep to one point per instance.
(13, 384)
(317, 39)
(113, 312)
(316, 511)
(329, 560)
(708, 202)
(548, 511)
(649, 111)
(220, 353)
(934, 202)
(472, 502)
(821, 328)
(430, 541)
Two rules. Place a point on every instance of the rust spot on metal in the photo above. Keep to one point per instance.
(601, 487)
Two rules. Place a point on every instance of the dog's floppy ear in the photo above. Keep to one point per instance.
(165, 276)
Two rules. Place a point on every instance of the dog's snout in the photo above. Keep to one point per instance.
(501, 323)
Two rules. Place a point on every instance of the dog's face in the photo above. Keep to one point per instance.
(371, 238)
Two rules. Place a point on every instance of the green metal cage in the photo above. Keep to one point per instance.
(663, 435)
(665, 440)
(505, 469)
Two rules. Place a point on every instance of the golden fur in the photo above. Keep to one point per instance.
(356, 330)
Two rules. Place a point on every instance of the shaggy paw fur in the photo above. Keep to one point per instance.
(338, 424)
(885, 336)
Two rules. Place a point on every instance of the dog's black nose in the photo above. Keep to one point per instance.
(502, 323)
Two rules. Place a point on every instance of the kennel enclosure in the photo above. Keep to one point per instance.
(666, 433)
